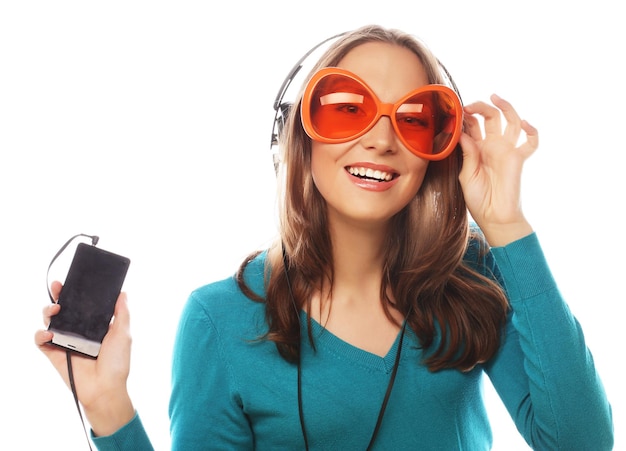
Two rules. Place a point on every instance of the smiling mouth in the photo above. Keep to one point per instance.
(371, 174)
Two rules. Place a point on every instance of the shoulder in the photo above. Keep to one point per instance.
(222, 302)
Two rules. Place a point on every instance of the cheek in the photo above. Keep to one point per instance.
(316, 164)
(322, 164)
(418, 172)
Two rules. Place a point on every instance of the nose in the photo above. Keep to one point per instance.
(381, 137)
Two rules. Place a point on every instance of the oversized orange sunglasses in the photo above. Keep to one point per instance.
(338, 106)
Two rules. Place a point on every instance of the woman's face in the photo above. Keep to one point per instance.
(371, 178)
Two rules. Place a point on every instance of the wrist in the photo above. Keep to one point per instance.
(109, 414)
(498, 235)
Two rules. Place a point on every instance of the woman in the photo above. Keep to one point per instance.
(371, 320)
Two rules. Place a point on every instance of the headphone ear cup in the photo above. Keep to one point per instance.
(282, 113)
(280, 119)
(284, 108)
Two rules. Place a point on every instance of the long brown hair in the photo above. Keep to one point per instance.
(457, 313)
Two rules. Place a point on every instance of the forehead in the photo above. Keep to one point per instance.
(390, 70)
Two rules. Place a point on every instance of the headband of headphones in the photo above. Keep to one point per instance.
(282, 107)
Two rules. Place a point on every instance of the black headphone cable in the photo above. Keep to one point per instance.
(68, 353)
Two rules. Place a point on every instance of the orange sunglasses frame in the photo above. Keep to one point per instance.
(382, 109)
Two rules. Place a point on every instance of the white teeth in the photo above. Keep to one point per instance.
(371, 173)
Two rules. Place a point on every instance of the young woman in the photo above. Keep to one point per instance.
(372, 319)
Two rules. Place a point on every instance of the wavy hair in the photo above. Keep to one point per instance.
(457, 313)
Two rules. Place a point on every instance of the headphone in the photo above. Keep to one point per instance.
(283, 107)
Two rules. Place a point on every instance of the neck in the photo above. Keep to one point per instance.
(357, 252)
(354, 310)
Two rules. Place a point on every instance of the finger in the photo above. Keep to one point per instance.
(472, 128)
(532, 138)
(492, 116)
(56, 355)
(49, 311)
(117, 342)
(42, 337)
(121, 316)
(471, 158)
(55, 289)
(121, 310)
(513, 121)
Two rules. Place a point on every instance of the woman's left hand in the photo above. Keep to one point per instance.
(492, 169)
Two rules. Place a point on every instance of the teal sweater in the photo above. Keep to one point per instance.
(231, 392)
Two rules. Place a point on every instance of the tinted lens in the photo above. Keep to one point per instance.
(426, 121)
(341, 107)
(338, 107)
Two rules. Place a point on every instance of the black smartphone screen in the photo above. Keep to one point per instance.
(88, 296)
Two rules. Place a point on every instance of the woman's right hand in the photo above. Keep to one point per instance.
(100, 383)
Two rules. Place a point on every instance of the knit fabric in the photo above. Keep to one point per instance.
(232, 391)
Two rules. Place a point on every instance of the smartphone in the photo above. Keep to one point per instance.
(92, 285)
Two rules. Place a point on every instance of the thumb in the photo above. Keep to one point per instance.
(121, 315)
(117, 342)
(471, 158)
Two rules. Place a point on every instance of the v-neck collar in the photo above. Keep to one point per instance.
(327, 342)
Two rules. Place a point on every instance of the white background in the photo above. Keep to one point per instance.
(148, 124)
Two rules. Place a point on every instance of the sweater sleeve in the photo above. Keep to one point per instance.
(205, 410)
(130, 437)
(544, 372)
